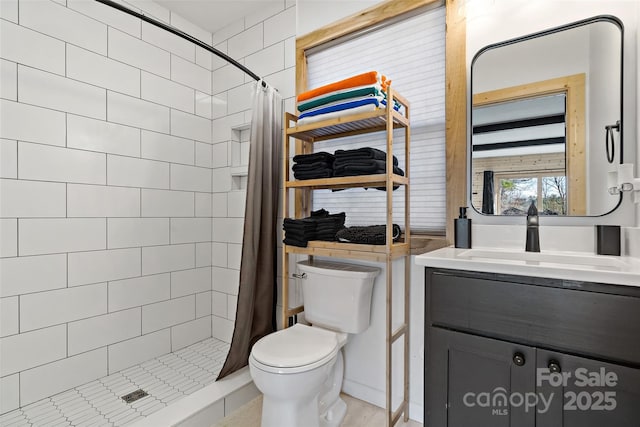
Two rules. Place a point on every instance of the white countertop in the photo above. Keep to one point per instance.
(559, 265)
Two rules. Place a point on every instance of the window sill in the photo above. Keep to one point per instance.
(422, 243)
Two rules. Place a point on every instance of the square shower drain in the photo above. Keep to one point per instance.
(134, 395)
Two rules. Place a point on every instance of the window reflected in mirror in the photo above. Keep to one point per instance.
(519, 152)
(515, 194)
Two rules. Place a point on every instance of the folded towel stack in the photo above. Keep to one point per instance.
(370, 235)
(327, 225)
(360, 93)
(321, 225)
(312, 166)
(363, 161)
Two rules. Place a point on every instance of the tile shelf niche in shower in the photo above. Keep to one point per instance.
(239, 153)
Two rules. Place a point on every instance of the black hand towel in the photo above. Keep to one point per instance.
(371, 235)
(362, 153)
(309, 167)
(320, 156)
(314, 174)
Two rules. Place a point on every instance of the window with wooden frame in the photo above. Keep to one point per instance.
(572, 88)
(408, 45)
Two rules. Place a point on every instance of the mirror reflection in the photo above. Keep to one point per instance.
(541, 107)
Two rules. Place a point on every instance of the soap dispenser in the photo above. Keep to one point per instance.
(462, 230)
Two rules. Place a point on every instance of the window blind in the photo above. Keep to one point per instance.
(411, 52)
(520, 127)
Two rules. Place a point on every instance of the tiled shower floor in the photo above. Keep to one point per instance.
(99, 403)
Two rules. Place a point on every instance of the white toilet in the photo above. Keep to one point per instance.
(299, 369)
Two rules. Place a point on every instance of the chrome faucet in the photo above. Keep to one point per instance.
(533, 236)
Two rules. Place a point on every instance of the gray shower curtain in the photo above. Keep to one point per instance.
(255, 315)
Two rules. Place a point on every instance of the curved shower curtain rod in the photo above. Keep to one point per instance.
(183, 35)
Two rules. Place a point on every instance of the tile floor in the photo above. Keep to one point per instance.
(99, 403)
(359, 414)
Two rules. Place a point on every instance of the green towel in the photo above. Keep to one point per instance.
(303, 106)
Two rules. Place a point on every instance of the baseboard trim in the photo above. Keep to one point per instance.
(377, 398)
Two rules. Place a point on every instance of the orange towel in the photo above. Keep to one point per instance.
(368, 78)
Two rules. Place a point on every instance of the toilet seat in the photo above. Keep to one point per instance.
(296, 349)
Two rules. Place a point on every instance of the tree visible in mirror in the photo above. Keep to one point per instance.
(516, 194)
(554, 195)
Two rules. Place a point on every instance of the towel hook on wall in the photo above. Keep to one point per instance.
(611, 147)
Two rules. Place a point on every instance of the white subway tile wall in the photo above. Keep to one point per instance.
(8, 80)
(9, 316)
(97, 135)
(59, 93)
(203, 254)
(28, 47)
(121, 235)
(99, 70)
(8, 158)
(189, 333)
(47, 380)
(18, 119)
(104, 166)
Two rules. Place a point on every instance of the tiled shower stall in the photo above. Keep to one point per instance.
(123, 163)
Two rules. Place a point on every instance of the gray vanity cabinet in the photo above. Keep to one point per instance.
(581, 403)
(513, 351)
(467, 372)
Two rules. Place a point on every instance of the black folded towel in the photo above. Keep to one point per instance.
(369, 166)
(354, 161)
(300, 221)
(319, 174)
(320, 156)
(295, 242)
(315, 174)
(311, 166)
(362, 169)
(299, 231)
(329, 218)
(328, 227)
(363, 153)
(320, 213)
(320, 225)
(370, 235)
(299, 226)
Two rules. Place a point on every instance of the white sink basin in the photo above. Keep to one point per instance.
(542, 257)
(576, 266)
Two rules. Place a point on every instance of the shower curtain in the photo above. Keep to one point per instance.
(255, 315)
(488, 193)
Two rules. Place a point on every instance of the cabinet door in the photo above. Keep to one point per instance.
(470, 379)
(587, 392)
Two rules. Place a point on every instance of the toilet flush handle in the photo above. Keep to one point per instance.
(299, 276)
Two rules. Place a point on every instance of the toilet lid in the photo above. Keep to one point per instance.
(298, 345)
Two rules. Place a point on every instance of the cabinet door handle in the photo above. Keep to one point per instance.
(519, 359)
(554, 366)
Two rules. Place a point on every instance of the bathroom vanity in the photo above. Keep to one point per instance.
(507, 348)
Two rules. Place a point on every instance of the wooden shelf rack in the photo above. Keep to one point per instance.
(384, 119)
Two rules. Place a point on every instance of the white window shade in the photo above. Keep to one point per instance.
(410, 52)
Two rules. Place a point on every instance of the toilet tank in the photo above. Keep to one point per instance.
(336, 295)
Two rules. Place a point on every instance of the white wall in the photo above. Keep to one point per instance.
(105, 195)
(314, 14)
(265, 43)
